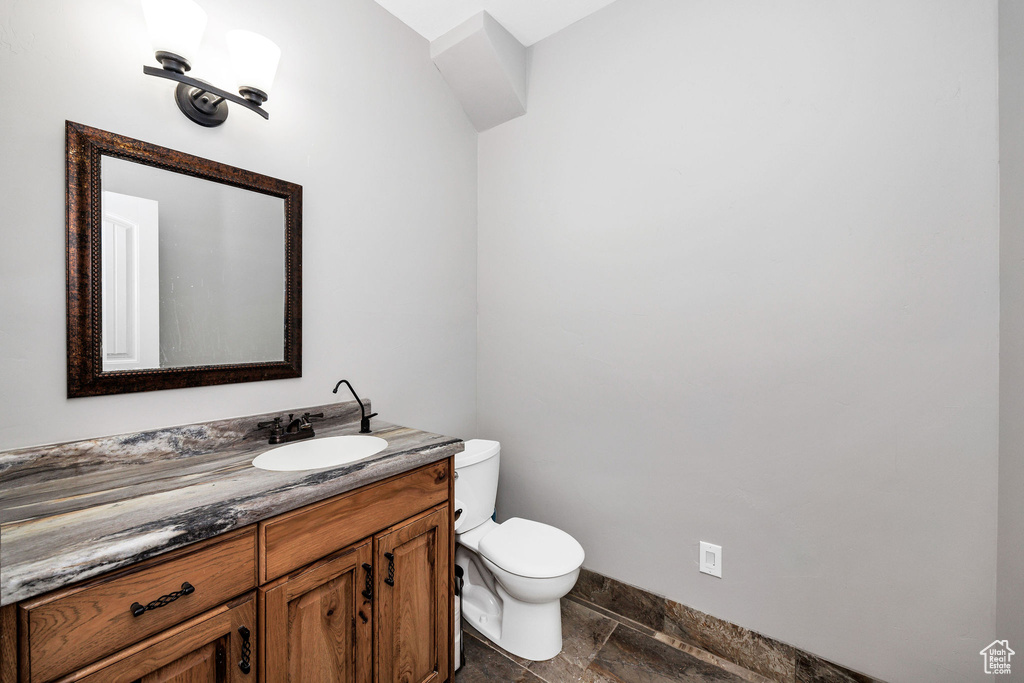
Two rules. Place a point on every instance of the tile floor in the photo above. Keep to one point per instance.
(600, 648)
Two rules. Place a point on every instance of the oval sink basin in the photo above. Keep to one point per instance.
(315, 454)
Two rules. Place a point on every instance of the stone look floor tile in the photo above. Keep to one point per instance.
(616, 633)
(592, 676)
(633, 603)
(467, 628)
(706, 656)
(653, 614)
(636, 626)
(584, 632)
(747, 648)
(632, 657)
(484, 664)
(688, 647)
(810, 669)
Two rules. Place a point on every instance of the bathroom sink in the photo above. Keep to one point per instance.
(318, 453)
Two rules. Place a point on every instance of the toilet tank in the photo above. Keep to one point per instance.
(476, 483)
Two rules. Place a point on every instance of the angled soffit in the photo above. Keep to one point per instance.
(527, 20)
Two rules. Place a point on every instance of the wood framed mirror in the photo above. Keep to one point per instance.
(181, 271)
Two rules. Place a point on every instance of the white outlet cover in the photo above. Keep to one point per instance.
(711, 559)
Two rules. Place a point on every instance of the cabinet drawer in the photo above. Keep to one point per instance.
(210, 647)
(296, 538)
(70, 628)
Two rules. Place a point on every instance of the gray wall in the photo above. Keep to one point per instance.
(738, 282)
(359, 117)
(1011, 345)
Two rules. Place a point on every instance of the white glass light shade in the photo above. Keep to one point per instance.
(253, 58)
(175, 26)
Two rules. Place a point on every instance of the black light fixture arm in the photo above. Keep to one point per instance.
(364, 421)
(206, 111)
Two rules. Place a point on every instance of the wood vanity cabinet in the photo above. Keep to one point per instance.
(354, 589)
(374, 611)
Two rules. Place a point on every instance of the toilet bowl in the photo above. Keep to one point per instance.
(515, 573)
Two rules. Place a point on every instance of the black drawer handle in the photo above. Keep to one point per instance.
(391, 569)
(186, 589)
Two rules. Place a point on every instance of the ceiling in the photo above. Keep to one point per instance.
(527, 20)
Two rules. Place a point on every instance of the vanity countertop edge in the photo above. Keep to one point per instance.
(63, 524)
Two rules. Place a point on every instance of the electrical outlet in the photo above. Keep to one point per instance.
(711, 559)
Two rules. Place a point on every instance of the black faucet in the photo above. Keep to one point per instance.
(364, 422)
(298, 428)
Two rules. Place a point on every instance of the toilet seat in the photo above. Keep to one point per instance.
(531, 549)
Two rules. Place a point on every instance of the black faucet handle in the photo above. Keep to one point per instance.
(274, 425)
(309, 416)
(364, 423)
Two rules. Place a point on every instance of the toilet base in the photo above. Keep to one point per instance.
(526, 629)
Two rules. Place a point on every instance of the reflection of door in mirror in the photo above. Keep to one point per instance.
(131, 282)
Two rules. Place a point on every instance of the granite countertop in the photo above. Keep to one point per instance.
(76, 510)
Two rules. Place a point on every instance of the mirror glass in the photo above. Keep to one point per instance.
(192, 271)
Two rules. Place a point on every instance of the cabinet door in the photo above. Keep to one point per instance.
(413, 600)
(215, 647)
(318, 621)
(207, 664)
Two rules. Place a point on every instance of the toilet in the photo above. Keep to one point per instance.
(515, 572)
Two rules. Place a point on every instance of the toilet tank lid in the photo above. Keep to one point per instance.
(532, 549)
(476, 451)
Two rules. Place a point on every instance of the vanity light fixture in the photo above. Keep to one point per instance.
(176, 29)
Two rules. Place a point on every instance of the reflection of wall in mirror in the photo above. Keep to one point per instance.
(221, 266)
(130, 282)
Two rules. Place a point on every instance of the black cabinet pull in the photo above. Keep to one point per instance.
(391, 569)
(368, 591)
(221, 662)
(138, 610)
(246, 650)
